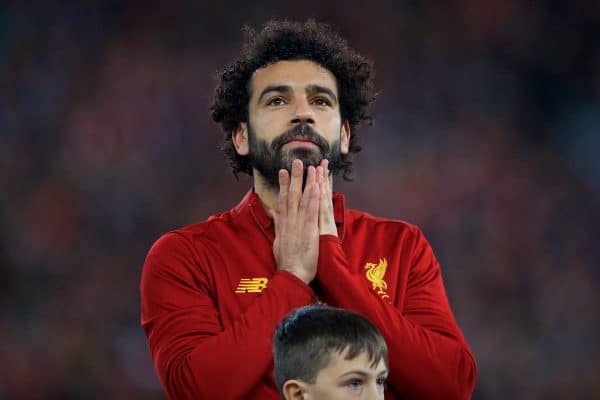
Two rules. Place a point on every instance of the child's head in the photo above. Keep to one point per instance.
(329, 353)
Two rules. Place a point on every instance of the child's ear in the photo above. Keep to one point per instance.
(294, 390)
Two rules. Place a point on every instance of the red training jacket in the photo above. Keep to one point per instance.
(212, 297)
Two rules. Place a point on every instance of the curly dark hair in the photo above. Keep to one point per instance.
(286, 40)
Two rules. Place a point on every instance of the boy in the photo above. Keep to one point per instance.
(329, 353)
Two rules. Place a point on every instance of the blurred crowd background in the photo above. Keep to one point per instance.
(487, 128)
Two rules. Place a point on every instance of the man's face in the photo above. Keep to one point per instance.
(293, 113)
(348, 379)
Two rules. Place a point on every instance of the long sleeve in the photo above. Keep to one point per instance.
(429, 358)
(194, 355)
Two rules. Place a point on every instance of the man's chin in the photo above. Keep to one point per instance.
(307, 156)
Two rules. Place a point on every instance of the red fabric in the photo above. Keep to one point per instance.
(209, 342)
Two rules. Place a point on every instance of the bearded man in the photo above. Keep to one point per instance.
(213, 292)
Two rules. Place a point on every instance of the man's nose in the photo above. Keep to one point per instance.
(303, 114)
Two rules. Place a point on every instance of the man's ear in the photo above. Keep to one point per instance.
(294, 389)
(239, 136)
(345, 137)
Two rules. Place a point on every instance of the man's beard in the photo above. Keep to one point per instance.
(268, 160)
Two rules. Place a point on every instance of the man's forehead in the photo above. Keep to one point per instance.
(297, 74)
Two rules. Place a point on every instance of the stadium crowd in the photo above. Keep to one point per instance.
(485, 124)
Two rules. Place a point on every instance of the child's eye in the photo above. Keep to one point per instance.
(354, 384)
(381, 381)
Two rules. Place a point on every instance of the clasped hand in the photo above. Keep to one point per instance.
(301, 217)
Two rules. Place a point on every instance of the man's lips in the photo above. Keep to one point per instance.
(300, 141)
(293, 144)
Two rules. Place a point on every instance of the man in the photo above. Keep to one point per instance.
(213, 292)
(326, 353)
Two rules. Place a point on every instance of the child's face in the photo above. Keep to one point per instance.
(348, 379)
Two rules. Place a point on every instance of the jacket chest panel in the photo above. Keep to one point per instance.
(381, 267)
(243, 274)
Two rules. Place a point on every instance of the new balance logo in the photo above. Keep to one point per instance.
(251, 285)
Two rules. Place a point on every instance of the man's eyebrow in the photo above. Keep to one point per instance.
(274, 88)
(321, 89)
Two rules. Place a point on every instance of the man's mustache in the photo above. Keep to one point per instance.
(304, 132)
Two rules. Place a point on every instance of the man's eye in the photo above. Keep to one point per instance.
(277, 101)
(322, 102)
(381, 381)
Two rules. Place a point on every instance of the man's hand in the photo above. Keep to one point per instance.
(296, 245)
(326, 218)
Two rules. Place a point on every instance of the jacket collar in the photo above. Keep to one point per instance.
(252, 205)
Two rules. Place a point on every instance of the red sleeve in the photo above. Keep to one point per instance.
(428, 356)
(194, 356)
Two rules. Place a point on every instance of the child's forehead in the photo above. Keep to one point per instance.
(340, 363)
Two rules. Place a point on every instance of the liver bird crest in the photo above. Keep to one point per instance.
(375, 274)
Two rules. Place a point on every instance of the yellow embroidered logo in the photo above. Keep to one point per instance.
(375, 274)
(251, 285)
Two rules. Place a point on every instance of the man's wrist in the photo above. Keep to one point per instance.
(304, 277)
